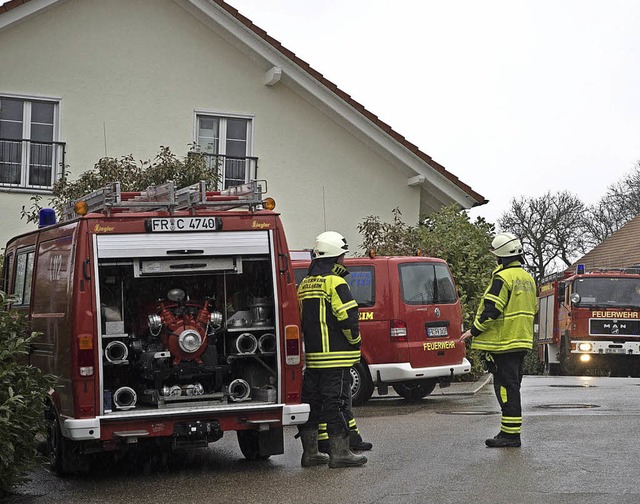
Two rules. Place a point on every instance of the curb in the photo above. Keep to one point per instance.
(467, 388)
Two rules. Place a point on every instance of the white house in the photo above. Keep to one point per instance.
(84, 79)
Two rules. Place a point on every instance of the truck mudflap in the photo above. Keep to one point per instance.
(402, 371)
(605, 347)
(82, 429)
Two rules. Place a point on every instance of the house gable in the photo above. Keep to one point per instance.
(438, 186)
(128, 84)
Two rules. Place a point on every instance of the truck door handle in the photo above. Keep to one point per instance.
(85, 269)
(284, 258)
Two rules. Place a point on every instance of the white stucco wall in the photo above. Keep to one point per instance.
(138, 69)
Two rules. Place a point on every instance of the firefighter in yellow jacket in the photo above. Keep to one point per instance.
(503, 329)
(332, 345)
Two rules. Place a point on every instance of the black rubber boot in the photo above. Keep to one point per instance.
(341, 455)
(503, 440)
(323, 445)
(357, 444)
(310, 454)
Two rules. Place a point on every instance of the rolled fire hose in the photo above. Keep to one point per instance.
(116, 352)
(193, 389)
(239, 390)
(172, 391)
(246, 343)
(267, 343)
(125, 398)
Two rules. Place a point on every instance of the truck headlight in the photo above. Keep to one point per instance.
(585, 347)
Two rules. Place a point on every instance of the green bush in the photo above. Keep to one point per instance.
(23, 390)
(133, 176)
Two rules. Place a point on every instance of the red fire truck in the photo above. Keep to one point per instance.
(590, 321)
(169, 316)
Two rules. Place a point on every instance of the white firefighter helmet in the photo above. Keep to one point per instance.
(330, 244)
(506, 245)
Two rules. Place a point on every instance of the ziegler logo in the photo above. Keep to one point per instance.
(260, 225)
(365, 315)
(103, 229)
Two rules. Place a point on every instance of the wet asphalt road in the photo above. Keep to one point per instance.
(581, 438)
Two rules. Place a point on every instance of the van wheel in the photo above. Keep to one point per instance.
(361, 384)
(414, 390)
(248, 441)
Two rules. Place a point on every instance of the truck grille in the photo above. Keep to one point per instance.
(607, 327)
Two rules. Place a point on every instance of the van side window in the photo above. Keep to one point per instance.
(424, 283)
(361, 279)
(6, 272)
(24, 276)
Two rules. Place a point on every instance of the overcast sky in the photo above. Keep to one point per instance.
(514, 97)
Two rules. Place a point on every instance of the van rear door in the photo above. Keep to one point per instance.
(431, 309)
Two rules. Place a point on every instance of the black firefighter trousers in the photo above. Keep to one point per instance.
(328, 392)
(507, 379)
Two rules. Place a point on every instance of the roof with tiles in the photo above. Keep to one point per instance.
(480, 200)
(12, 4)
(620, 250)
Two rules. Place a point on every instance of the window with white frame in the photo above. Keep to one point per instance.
(29, 155)
(226, 143)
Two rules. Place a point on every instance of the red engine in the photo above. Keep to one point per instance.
(184, 327)
(185, 335)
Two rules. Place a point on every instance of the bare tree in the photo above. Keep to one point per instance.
(620, 204)
(551, 228)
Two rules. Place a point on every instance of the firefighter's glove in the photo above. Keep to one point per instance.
(489, 364)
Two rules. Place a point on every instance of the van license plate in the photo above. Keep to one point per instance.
(437, 332)
(172, 224)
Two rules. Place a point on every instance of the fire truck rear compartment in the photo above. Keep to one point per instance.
(186, 332)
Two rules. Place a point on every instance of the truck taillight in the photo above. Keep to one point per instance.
(398, 330)
(292, 345)
(85, 355)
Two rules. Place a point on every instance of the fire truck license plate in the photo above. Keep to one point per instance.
(437, 332)
(614, 350)
(172, 224)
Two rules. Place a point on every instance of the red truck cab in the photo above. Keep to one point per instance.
(410, 322)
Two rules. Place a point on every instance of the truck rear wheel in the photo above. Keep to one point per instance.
(415, 390)
(58, 447)
(260, 445)
(361, 384)
(249, 445)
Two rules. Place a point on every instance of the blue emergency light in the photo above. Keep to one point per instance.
(46, 217)
(580, 269)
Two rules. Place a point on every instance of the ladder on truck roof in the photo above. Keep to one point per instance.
(111, 199)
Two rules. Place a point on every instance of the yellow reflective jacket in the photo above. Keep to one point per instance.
(329, 317)
(504, 320)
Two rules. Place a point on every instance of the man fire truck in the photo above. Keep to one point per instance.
(590, 321)
(169, 316)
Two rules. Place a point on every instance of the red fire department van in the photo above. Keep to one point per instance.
(169, 317)
(590, 320)
(410, 321)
